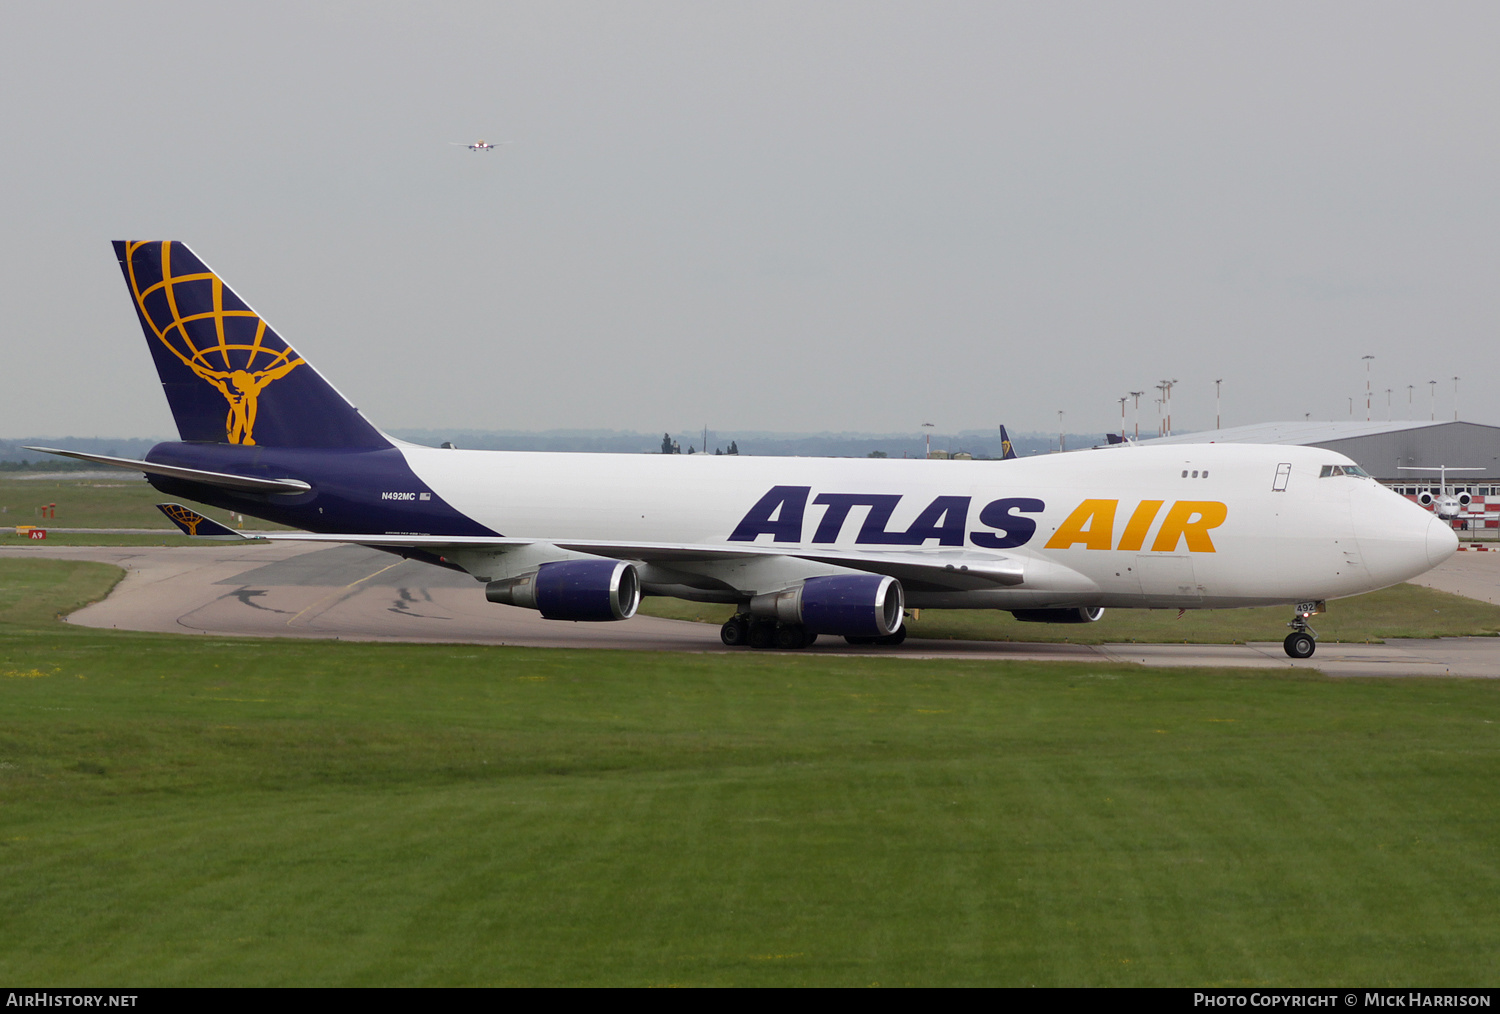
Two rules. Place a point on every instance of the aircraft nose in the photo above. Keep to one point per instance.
(1441, 541)
(1398, 539)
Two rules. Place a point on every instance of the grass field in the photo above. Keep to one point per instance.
(200, 811)
(123, 501)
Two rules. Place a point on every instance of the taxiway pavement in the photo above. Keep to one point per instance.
(287, 589)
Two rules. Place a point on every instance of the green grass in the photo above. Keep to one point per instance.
(207, 811)
(9, 540)
(125, 501)
(1403, 611)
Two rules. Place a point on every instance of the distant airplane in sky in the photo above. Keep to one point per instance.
(480, 145)
(799, 546)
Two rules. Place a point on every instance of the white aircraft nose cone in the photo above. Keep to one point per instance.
(1441, 541)
(1398, 540)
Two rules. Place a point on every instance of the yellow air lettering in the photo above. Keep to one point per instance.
(1140, 521)
(1100, 517)
(1191, 520)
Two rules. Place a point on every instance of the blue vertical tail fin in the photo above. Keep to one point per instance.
(1006, 450)
(229, 378)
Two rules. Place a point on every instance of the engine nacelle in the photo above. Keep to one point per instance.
(573, 590)
(1424, 498)
(847, 604)
(1085, 614)
(1464, 500)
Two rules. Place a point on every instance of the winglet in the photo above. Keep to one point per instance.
(1006, 450)
(196, 525)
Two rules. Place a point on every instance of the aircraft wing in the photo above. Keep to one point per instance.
(948, 569)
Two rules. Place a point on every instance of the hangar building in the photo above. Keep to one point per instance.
(1381, 448)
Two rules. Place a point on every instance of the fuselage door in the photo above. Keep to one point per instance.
(1283, 473)
(1167, 580)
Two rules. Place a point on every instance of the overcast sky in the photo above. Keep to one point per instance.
(766, 216)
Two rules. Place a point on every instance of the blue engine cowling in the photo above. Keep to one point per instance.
(847, 604)
(1086, 614)
(573, 590)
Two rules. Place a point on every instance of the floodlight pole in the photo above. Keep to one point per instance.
(1455, 399)
(1218, 417)
(1368, 360)
(1136, 413)
(1122, 415)
(1432, 408)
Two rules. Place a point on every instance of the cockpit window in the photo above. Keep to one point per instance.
(1353, 470)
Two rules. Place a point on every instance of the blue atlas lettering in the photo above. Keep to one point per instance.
(944, 519)
(777, 514)
(1014, 531)
(881, 506)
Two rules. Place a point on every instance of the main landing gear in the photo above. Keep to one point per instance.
(751, 631)
(1303, 640)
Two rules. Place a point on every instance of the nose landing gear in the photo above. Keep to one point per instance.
(1303, 640)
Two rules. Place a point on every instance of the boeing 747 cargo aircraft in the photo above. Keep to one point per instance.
(801, 546)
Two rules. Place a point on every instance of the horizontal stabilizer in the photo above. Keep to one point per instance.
(223, 480)
(195, 524)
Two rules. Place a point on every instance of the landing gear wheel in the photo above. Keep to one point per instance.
(762, 634)
(791, 637)
(893, 638)
(1300, 644)
(735, 633)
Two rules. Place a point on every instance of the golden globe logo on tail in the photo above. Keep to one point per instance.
(240, 371)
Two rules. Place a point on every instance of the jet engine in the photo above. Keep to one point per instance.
(847, 604)
(1086, 614)
(573, 590)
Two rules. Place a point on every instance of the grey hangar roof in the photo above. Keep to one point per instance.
(1379, 447)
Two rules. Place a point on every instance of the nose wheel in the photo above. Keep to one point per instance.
(1300, 644)
(1303, 640)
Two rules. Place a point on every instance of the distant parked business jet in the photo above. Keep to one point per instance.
(1444, 504)
(801, 546)
(480, 145)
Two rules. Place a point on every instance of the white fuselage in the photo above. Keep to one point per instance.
(1222, 524)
